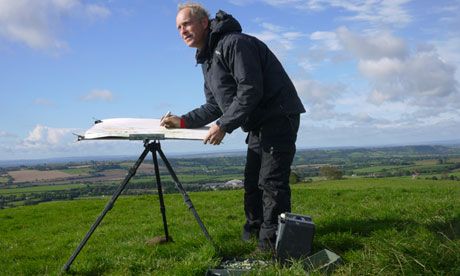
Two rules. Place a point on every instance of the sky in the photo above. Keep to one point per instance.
(369, 72)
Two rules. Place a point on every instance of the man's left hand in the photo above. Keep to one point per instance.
(215, 135)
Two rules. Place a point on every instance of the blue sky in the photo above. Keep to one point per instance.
(369, 72)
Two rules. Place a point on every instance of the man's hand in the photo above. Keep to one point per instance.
(171, 121)
(215, 135)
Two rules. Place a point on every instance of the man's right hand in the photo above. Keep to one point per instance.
(171, 121)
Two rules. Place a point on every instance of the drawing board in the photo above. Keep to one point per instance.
(139, 129)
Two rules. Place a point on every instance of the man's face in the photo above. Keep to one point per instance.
(192, 30)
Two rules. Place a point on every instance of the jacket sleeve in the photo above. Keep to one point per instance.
(243, 60)
(204, 114)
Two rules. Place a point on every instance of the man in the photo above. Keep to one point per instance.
(245, 86)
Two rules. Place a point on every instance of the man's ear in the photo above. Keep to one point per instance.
(205, 22)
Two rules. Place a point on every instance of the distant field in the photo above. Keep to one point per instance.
(35, 175)
(439, 176)
(203, 178)
(78, 171)
(146, 166)
(428, 167)
(420, 167)
(39, 189)
(102, 178)
(427, 162)
(378, 169)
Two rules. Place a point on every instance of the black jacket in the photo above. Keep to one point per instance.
(244, 83)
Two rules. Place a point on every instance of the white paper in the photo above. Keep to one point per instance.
(138, 129)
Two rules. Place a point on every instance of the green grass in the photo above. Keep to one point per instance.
(375, 169)
(3, 179)
(378, 169)
(39, 189)
(189, 178)
(387, 226)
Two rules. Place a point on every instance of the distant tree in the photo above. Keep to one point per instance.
(444, 176)
(294, 178)
(331, 173)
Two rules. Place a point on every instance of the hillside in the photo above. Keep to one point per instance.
(379, 226)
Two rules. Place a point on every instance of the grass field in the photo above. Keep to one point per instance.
(39, 189)
(34, 175)
(377, 169)
(186, 178)
(383, 226)
(414, 168)
(78, 171)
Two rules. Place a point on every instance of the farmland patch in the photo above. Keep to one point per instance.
(36, 175)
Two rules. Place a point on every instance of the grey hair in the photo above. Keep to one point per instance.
(197, 9)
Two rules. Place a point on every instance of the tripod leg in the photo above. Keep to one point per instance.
(160, 194)
(187, 199)
(107, 208)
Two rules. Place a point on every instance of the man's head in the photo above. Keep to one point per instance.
(192, 21)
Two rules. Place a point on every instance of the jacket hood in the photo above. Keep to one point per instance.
(221, 24)
(224, 23)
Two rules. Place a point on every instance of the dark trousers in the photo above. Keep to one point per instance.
(271, 150)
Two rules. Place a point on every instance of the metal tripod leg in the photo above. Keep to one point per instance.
(187, 199)
(107, 208)
(160, 191)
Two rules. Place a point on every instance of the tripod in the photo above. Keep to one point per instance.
(153, 147)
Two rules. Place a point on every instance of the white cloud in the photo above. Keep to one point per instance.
(240, 2)
(293, 35)
(382, 45)
(449, 49)
(329, 41)
(36, 23)
(281, 39)
(311, 135)
(372, 11)
(421, 78)
(47, 142)
(306, 65)
(96, 11)
(381, 68)
(96, 94)
(272, 27)
(44, 136)
(267, 36)
(320, 97)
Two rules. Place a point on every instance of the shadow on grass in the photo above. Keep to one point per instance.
(349, 232)
(346, 234)
(364, 227)
(100, 266)
(449, 228)
(231, 245)
(94, 271)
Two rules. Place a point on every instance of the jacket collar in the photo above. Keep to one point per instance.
(202, 56)
(223, 23)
